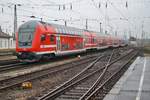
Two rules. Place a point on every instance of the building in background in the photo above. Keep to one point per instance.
(6, 41)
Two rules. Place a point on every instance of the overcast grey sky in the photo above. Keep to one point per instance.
(116, 17)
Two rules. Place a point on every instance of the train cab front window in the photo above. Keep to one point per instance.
(25, 37)
(26, 34)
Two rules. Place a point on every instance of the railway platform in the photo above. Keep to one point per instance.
(6, 52)
(134, 84)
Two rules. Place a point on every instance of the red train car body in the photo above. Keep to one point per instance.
(35, 40)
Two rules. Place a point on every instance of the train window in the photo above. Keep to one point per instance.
(65, 46)
(79, 46)
(43, 37)
(52, 38)
(95, 40)
(92, 40)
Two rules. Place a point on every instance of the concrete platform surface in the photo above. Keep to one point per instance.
(134, 84)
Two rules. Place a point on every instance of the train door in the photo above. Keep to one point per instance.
(84, 41)
(58, 43)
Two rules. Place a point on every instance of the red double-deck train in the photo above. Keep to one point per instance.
(36, 39)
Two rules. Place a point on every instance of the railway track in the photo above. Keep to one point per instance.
(6, 53)
(104, 87)
(84, 83)
(15, 81)
(9, 61)
(13, 64)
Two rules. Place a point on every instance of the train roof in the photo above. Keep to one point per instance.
(61, 29)
(31, 24)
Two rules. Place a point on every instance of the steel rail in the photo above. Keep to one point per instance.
(11, 66)
(44, 73)
(7, 61)
(15, 65)
(70, 81)
(98, 80)
(56, 92)
(93, 94)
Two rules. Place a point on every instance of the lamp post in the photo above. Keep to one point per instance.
(65, 23)
(15, 19)
(86, 26)
(100, 27)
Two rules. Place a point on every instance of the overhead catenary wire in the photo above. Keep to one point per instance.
(105, 17)
(50, 5)
(120, 12)
(29, 11)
